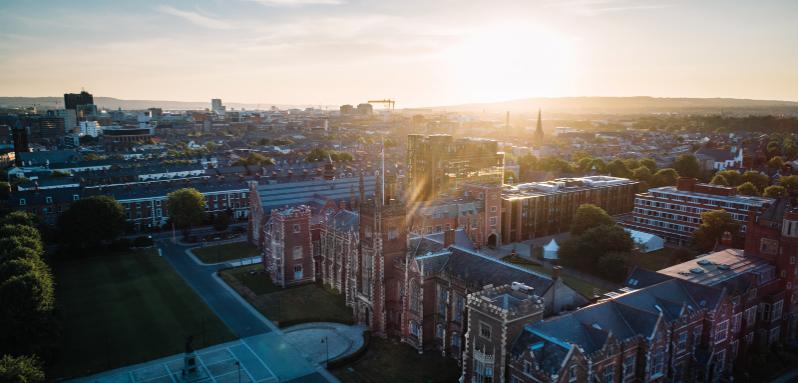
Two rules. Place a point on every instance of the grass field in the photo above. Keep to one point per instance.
(296, 304)
(127, 308)
(226, 252)
(391, 361)
(585, 288)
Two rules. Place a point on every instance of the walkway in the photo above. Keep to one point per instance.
(262, 350)
(325, 341)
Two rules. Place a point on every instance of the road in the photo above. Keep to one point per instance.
(288, 363)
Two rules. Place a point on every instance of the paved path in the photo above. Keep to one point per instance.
(264, 338)
(325, 341)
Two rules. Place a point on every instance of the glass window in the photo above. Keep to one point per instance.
(298, 252)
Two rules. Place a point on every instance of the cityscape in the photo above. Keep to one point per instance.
(343, 191)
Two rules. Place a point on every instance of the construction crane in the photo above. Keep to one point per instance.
(390, 103)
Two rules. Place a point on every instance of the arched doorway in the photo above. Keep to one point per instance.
(492, 240)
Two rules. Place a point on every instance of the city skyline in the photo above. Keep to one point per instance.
(336, 51)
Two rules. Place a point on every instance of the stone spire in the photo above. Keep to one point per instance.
(539, 129)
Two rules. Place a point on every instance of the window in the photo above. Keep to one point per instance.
(492, 221)
(572, 374)
(733, 348)
(696, 336)
(76, 197)
(777, 308)
(681, 342)
(678, 372)
(298, 252)
(609, 373)
(720, 362)
(415, 293)
(484, 330)
(657, 363)
(764, 310)
(22, 202)
(750, 317)
(48, 199)
(439, 331)
(298, 272)
(721, 331)
(736, 321)
(297, 228)
(393, 233)
(443, 299)
(749, 339)
(414, 328)
(629, 367)
(493, 209)
(458, 308)
(773, 335)
(455, 340)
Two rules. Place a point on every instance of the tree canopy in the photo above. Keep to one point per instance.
(733, 177)
(719, 179)
(186, 208)
(774, 191)
(588, 216)
(761, 181)
(665, 177)
(687, 166)
(747, 189)
(790, 183)
(713, 224)
(601, 250)
(91, 222)
(20, 369)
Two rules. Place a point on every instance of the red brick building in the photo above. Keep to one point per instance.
(287, 249)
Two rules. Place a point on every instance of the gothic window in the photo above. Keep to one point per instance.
(484, 331)
(415, 296)
(657, 362)
(629, 367)
(297, 228)
(609, 374)
(439, 331)
(297, 252)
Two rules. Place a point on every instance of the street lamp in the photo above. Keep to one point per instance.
(238, 364)
(327, 350)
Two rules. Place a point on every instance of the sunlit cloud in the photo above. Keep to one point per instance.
(194, 17)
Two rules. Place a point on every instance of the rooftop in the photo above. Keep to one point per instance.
(715, 268)
(562, 185)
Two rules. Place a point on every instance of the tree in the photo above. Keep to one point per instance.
(790, 183)
(186, 208)
(642, 174)
(617, 168)
(759, 180)
(91, 222)
(665, 177)
(588, 216)
(318, 154)
(254, 159)
(774, 191)
(775, 163)
(525, 164)
(733, 177)
(613, 266)
(650, 164)
(748, 189)
(719, 180)
(584, 251)
(599, 165)
(687, 166)
(713, 224)
(20, 369)
(19, 217)
(585, 164)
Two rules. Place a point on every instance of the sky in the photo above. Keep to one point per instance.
(417, 52)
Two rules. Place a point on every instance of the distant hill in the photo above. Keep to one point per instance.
(111, 103)
(631, 105)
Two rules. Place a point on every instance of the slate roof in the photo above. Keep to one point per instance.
(276, 195)
(624, 316)
(480, 270)
(718, 155)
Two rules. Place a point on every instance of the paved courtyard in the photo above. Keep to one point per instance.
(325, 341)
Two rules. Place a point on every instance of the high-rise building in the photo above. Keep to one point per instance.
(365, 109)
(217, 107)
(346, 109)
(74, 100)
(439, 164)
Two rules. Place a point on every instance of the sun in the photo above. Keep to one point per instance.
(510, 61)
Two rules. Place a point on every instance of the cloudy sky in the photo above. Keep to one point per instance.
(419, 52)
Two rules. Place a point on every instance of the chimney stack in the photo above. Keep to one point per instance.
(448, 238)
(555, 272)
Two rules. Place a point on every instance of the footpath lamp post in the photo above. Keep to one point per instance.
(327, 351)
(238, 364)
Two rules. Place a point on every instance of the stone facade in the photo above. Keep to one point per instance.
(287, 248)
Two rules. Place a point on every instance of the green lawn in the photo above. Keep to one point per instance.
(655, 260)
(391, 361)
(226, 252)
(127, 308)
(296, 304)
(582, 287)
